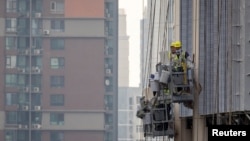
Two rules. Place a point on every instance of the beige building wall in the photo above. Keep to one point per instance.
(78, 28)
(76, 121)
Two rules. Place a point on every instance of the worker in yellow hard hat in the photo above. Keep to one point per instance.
(180, 60)
(178, 55)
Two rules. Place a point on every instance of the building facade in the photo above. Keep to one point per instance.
(123, 68)
(58, 70)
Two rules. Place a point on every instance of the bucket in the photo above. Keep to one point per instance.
(156, 76)
(154, 85)
(164, 77)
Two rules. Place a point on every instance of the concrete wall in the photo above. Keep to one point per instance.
(78, 28)
(2, 26)
(75, 121)
(84, 76)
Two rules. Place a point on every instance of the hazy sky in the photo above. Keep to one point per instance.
(133, 10)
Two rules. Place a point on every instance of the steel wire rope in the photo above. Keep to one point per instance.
(164, 46)
(195, 43)
(147, 53)
(217, 67)
(151, 40)
(147, 58)
(230, 64)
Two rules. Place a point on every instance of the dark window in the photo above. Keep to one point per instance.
(57, 81)
(56, 136)
(11, 98)
(11, 24)
(11, 5)
(10, 43)
(57, 25)
(57, 100)
(57, 44)
(11, 117)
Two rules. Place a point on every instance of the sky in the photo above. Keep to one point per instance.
(133, 10)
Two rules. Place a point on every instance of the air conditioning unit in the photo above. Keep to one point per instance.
(36, 89)
(107, 82)
(25, 126)
(46, 32)
(25, 108)
(37, 51)
(21, 70)
(36, 126)
(20, 126)
(37, 108)
(38, 15)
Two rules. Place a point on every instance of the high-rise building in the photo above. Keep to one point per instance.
(123, 60)
(58, 70)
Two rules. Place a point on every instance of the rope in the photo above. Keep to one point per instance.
(159, 31)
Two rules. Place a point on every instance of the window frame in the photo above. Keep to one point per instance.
(57, 81)
(60, 62)
(57, 99)
(57, 25)
(58, 117)
(57, 44)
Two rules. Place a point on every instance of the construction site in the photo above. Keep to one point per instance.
(209, 40)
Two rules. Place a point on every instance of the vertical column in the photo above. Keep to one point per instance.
(198, 121)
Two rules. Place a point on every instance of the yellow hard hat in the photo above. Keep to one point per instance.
(178, 44)
(172, 44)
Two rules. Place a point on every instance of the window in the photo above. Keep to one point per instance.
(57, 44)
(56, 119)
(11, 99)
(57, 7)
(57, 81)
(108, 101)
(10, 61)
(57, 100)
(10, 135)
(10, 43)
(21, 61)
(108, 119)
(23, 6)
(108, 136)
(11, 117)
(56, 136)
(57, 62)
(109, 28)
(10, 80)
(11, 6)
(10, 24)
(23, 42)
(57, 25)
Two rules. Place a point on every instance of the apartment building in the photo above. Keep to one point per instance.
(58, 70)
